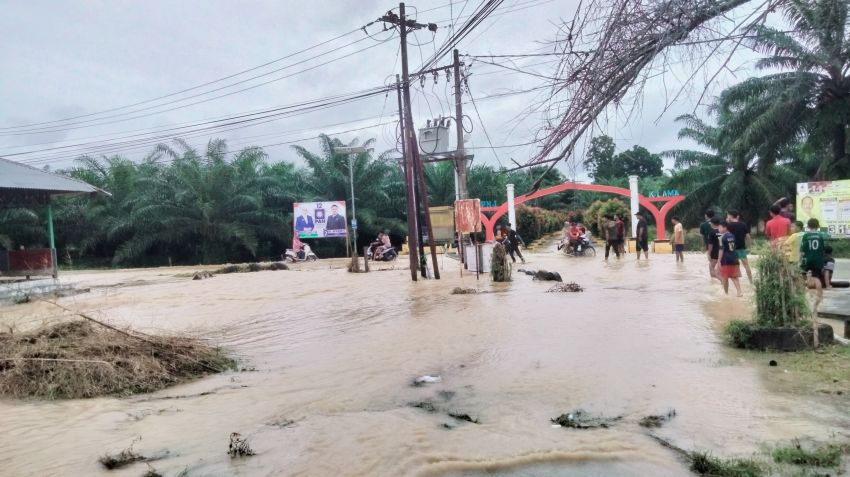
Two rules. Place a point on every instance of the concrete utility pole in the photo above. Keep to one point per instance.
(412, 238)
(413, 165)
(460, 158)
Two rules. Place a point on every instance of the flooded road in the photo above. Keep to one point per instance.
(331, 356)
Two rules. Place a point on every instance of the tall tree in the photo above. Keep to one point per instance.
(808, 99)
(721, 176)
(202, 206)
(600, 156)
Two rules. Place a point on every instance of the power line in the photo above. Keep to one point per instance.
(252, 119)
(196, 102)
(277, 60)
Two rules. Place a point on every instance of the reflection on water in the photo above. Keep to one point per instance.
(335, 354)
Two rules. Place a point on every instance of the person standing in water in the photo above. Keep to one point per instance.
(728, 263)
(514, 241)
(714, 246)
(708, 230)
(611, 237)
(678, 240)
(642, 236)
(621, 233)
(741, 231)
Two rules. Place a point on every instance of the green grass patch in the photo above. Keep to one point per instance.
(739, 332)
(824, 456)
(704, 463)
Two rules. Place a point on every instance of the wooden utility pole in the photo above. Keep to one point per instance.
(460, 158)
(413, 164)
(412, 238)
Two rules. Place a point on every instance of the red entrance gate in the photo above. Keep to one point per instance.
(646, 202)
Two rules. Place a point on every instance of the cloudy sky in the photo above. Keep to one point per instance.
(106, 62)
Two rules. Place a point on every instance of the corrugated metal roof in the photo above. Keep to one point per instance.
(14, 175)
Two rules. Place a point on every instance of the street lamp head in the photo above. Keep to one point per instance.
(350, 150)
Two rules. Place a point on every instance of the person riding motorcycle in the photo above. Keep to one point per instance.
(575, 237)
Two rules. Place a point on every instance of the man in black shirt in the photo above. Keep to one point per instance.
(514, 241)
(741, 231)
(708, 237)
(641, 236)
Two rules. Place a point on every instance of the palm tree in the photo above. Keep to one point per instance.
(202, 206)
(809, 99)
(722, 176)
(20, 226)
(440, 181)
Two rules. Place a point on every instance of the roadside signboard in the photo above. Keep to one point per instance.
(827, 201)
(468, 215)
(319, 219)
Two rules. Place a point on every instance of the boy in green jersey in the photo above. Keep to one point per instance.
(813, 256)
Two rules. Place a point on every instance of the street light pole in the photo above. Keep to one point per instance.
(353, 208)
(352, 151)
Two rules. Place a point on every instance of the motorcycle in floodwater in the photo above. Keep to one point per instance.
(387, 255)
(584, 249)
(293, 257)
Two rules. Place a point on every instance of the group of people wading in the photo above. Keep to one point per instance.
(727, 241)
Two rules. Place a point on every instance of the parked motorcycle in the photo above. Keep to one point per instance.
(293, 257)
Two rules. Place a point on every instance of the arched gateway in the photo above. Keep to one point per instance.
(646, 202)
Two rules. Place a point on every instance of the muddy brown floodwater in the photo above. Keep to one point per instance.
(335, 354)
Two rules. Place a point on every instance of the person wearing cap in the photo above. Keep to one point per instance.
(641, 236)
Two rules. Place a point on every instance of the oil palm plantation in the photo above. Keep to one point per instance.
(807, 97)
(201, 206)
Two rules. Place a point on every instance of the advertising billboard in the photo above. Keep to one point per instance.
(829, 202)
(319, 219)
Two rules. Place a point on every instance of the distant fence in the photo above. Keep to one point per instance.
(29, 262)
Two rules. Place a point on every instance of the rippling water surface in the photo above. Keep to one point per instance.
(335, 354)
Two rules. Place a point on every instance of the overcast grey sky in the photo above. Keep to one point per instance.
(70, 58)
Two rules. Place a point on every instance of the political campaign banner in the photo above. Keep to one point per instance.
(827, 201)
(319, 219)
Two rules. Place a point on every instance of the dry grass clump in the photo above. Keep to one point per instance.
(251, 267)
(121, 459)
(80, 359)
(464, 291)
(566, 288)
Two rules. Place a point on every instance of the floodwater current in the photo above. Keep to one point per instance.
(330, 357)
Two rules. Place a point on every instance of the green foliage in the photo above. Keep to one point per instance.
(725, 177)
(704, 463)
(601, 163)
(693, 241)
(780, 292)
(534, 222)
(595, 214)
(806, 99)
(824, 456)
(739, 332)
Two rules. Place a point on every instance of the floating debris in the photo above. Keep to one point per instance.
(657, 420)
(446, 395)
(239, 446)
(542, 275)
(427, 379)
(201, 275)
(566, 288)
(581, 420)
(424, 405)
(462, 416)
